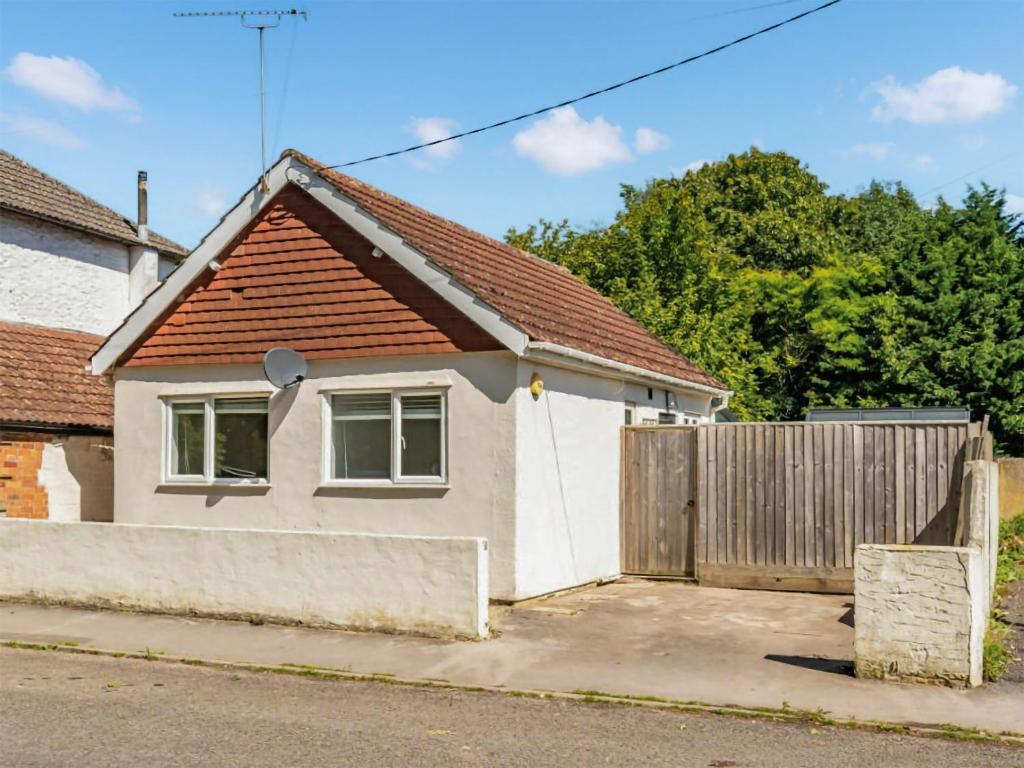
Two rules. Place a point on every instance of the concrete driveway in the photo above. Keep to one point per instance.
(633, 637)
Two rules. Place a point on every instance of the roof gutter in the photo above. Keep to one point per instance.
(56, 429)
(545, 351)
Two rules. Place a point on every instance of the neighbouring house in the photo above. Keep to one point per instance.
(457, 386)
(71, 269)
(56, 426)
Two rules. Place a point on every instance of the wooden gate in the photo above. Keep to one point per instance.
(659, 496)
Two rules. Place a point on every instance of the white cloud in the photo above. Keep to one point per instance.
(878, 150)
(69, 81)
(434, 128)
(1015, 204)
(566, 144)
(973, 142)
(696, 165)
(647, 140)
(210, 200)
(38, 129)
(951, 95)
(924, 162)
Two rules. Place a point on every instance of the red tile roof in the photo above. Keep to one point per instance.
(44, 381)
(545, 301)
(302, 278)
(27, 190)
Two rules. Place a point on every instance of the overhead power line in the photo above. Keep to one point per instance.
(598, 92)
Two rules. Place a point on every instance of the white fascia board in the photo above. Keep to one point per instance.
(181, 278)
(424, 270)
(567, 357)
(290, 170)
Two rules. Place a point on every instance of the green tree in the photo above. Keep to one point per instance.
(794, 297)
(954, 333)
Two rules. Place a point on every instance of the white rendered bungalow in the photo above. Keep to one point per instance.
(456, 387)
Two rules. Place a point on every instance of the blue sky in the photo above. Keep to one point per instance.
(925, 92)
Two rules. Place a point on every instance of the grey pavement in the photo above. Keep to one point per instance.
(632, 637)
(74, 710)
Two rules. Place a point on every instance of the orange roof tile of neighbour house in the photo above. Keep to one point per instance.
(26, 190)
(45, 383)
(298, 275)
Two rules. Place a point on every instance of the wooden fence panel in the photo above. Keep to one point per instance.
(785, 505)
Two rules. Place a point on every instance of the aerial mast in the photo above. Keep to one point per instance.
(261, 24)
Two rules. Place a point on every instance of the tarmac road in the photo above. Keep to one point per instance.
(61, 709)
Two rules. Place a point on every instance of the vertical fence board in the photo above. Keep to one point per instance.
(849, 525)
(702, 496)
(741, 496)
(830, 500)
(889, 484)
(730, 496)
(799, 510)
(780, 494)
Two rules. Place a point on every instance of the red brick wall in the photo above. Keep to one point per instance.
(20, 492)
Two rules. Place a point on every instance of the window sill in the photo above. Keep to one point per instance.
(240, 489)
(396, 487)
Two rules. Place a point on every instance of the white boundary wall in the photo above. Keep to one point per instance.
(431, 585)
(922, 611)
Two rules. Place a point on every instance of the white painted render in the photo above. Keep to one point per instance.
(77, 472)
(567, 479)
(59, 277)
(479, 499)
(922, 611)
(420, 584)
(539, 479)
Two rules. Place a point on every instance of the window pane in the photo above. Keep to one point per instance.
(361, 432)
(240, 435)
(187, 438)
(421, 436)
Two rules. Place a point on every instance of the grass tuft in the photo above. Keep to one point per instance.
(1009, 569)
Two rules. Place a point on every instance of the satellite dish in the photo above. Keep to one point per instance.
(284, 367)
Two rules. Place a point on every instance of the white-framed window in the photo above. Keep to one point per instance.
(630, 413)
(664, 417)
(216, 439)
(385, 437)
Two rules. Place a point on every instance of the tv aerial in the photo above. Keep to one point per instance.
(259, 20)
(284, 367)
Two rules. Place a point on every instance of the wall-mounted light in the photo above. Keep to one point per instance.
(214, 265)
(536, 385)
(376, 252)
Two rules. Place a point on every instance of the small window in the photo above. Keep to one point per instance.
(361, 433)
(689, 418)
(666, 418)
(630, 413)
(387, 437)
(187, 439)
(217, 439)
(240, 438)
